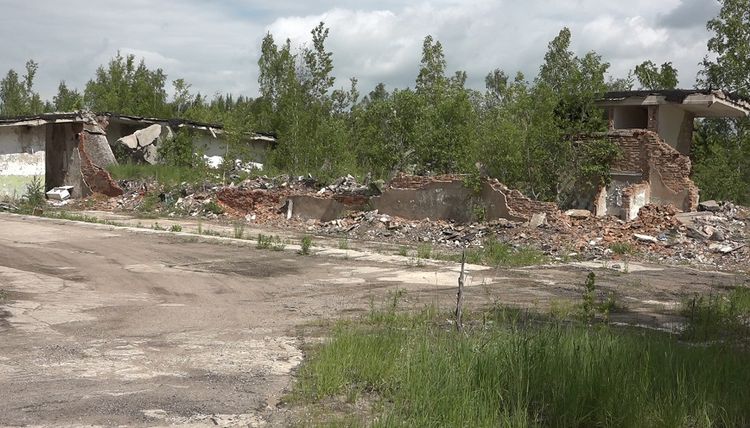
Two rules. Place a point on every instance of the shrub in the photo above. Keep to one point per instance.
(306, 245)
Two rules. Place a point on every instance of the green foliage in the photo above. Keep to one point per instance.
(17, 95)
(718, 316)
(67, 99)
(654, 78)
(175, 228)
(212, 207)
(512, 370)
(127, 88)
(34, 199)
(305, 246)
(499, 254)
(721, 150)
(179, 151)
(622, 248)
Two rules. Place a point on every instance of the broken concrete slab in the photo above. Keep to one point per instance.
(538, 219)
(578, 214)
(143, 143)
(711, 206)
(59, 193)
(646, 238)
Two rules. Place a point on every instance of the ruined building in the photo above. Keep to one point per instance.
(74, 149)
(654, 130)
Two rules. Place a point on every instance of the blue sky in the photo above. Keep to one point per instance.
(214, 45)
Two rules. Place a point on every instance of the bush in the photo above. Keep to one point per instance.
(34, 199)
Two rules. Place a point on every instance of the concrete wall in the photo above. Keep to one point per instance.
(206, 143)
(676, 127)
(630, 117)
(22, 154)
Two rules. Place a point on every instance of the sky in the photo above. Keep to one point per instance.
(215, 44)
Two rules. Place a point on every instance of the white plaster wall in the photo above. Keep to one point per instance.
(670, 123)
(21, 157)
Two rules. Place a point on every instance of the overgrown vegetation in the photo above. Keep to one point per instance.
(516, 369)
(168, 175)
(500, 254)
(718, 316)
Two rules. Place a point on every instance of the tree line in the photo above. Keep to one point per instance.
(520, 130)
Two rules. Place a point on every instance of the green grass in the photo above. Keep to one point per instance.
(344, 244)
(718, 316)
(164, 174)
(498, 254)
(238, 229)
(622, 248)
(516, 370)
(424, 251)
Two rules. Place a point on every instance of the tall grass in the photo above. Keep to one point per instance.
(519, 373)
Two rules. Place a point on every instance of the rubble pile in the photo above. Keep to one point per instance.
(717, 236)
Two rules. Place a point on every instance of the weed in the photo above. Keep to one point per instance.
(264, 242)
(278, 244)
(424, 251)
(156, 226)
(622, 248)
(590, 304)
(148, 204)
(212, 207)
(238, 229)
(479, 213)
(306, 245)
(403, 251)
(175, 228)
(718, 316)
(343, 244)
(33, 200)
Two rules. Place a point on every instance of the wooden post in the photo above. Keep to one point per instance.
(460, 294)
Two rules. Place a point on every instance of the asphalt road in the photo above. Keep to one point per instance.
(110, 326)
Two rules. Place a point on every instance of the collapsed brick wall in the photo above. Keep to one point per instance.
(634, 157)
(662, 166)
(672, 167)
(95, 177)
(405, 181)
(522, 206)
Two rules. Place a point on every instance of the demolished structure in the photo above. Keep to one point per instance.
(74, 149)
(654, 131)
(62, 149)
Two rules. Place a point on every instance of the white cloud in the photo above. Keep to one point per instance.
(215, 45)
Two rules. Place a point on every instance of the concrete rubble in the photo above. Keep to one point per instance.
(716, 236)
(142, 145)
